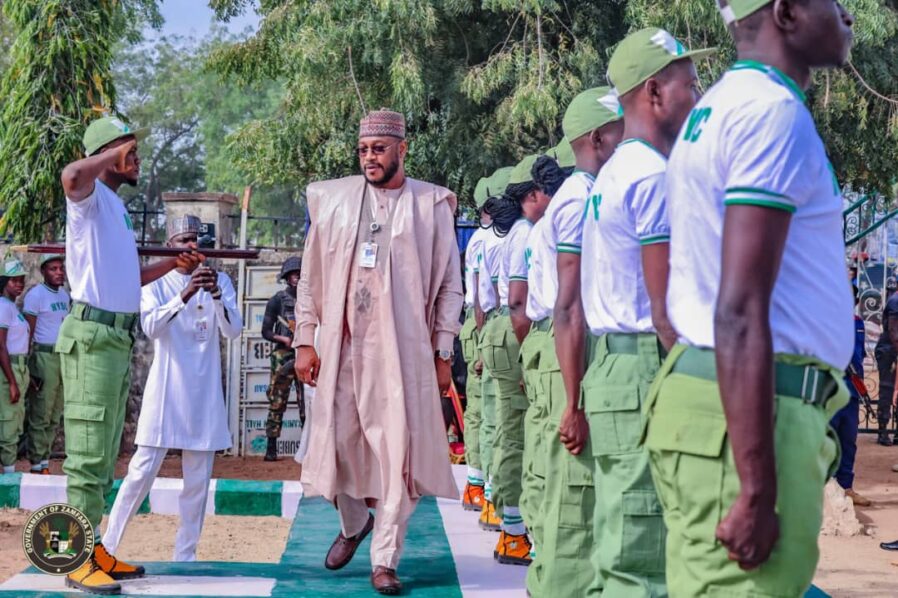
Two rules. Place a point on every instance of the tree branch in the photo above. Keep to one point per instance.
(356, 83)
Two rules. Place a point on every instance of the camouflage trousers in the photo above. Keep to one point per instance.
(282, 378)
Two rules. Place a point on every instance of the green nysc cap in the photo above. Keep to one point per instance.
(13, 268)
(106, 130)
(521, 172)
(563, 153)
(735, 10)
(590, 110)
(480, 194)
(497, 183)
(51, 257)
(643, 54)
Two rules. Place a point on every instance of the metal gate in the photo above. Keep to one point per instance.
(871, 236)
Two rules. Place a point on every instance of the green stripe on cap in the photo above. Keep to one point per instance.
(643, 54)
(590, 110)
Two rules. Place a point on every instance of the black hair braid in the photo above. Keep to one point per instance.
(504, 211)
(547, 175)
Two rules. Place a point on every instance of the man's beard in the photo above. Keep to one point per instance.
(389, 171)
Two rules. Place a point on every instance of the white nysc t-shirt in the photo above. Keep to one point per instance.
(473, 256)
(490, 264)
(101, 260)
(626, 210)
(50, 308)
(514, 257)
(17, 329)
(560, 230)
(752, 141)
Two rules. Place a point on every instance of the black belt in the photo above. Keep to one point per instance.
(41, 348)
(806, 382)
(114, 319)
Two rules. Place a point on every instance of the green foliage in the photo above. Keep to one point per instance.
(190, 112)
(484, 82)
(57, 80)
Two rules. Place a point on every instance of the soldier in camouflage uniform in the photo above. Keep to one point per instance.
(277, 327)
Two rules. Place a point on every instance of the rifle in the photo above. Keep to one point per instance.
(238, 254)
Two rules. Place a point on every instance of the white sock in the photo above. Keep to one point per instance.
(475, 476)
(512, 522)
(488, 492)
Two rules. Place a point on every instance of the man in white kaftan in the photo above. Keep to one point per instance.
(183, 403)
(381, 282)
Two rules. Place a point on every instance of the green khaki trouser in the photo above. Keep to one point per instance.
(12, 416)
(96, 363)
(500, 350)
(563, 565)
(468, 337)
(533, 482)
(487, 421)
(45, 401)
(629, 543)
(693, 467)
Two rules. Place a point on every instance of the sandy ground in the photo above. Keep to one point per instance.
(240, 468)
(849, 567)
(857, 566)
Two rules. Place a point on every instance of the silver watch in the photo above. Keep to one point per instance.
(444, 355)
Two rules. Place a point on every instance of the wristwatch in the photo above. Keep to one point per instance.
(444, 355)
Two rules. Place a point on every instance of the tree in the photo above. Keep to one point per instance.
(190, 112)
(58, 80)
(483, 82)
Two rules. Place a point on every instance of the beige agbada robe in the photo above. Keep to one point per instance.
(418, 311)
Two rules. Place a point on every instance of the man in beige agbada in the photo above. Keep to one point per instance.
(382, 284)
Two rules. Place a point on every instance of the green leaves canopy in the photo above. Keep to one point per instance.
(482, 83)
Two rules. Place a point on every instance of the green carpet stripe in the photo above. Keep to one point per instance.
(241, 497)
(9, 489)
(426, 569)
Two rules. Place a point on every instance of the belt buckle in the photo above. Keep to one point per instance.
(812, 378)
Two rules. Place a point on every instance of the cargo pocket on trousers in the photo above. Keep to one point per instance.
(692, 444)
(85, 430)
(578, 501)
(615, 419)
(68, 366)
(643, 534)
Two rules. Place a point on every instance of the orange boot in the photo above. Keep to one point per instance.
(488, 519)
(513, 550)
(115, 568)
(472, 500)
(92, 579)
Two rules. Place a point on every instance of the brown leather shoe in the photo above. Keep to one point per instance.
(343, 548)
(385, 581)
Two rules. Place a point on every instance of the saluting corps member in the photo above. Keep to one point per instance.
(183, 403)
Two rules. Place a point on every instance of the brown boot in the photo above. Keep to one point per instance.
(857, 499)
(385, 581)
(343, 548)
